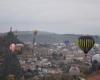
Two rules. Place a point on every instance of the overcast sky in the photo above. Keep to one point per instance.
(59, 16)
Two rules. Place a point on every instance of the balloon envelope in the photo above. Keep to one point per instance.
(12, 47)
(86, 43)
(66, 42)
(35, 32)
(96, 57)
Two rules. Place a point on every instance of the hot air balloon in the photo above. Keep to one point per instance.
(16, 48)
(86, 43)
(12, 47)
(96, 57)
(35, 32)
(34, 35)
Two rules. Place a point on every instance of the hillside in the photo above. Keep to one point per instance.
(47, 37)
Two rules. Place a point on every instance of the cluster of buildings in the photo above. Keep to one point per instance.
(53, 58)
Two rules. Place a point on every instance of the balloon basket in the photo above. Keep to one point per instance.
(86, 58)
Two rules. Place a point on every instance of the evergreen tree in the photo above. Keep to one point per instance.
(11, 38)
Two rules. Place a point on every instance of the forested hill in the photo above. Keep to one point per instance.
(47, 37)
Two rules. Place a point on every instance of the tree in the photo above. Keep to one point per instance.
(11, 38)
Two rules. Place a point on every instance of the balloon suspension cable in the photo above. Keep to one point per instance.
(85, 58)
(85, 55)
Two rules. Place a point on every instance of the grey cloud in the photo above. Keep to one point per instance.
(42, 14)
